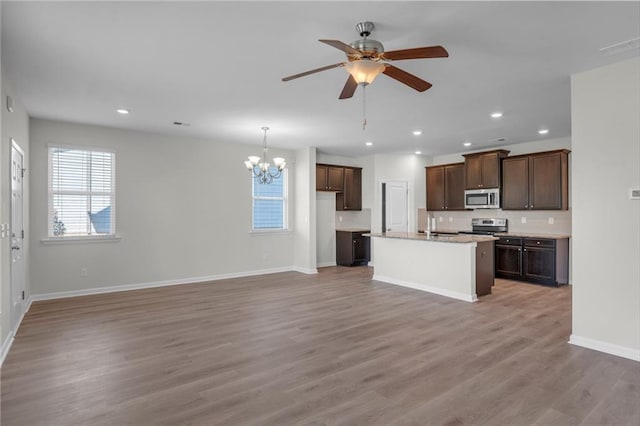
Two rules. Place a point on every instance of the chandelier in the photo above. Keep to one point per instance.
(260, 170)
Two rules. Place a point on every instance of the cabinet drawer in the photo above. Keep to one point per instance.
(510, 241)
(539, 242)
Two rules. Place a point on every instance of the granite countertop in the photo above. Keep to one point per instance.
(440, 230)
(463, 238)
(505, 234)
(533, 235)
(355, 229)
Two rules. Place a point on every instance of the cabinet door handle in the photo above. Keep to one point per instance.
(526, 205)
(354, 241)
(525, 250)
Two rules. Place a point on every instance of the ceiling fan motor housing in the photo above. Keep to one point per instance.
(370, 48)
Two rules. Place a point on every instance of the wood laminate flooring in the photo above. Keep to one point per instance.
(331, 348)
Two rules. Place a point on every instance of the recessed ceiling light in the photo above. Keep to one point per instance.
(122, 111)
(418, 152)
(543, 131)
(496, 114)
(467, 144)
(417, 132)
(368, 143)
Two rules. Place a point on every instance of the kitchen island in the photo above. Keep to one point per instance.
(457, 266)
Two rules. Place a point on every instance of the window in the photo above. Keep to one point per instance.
(270, 203)
(81, 192)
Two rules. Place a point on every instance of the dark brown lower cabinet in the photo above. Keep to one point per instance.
(509, 258)
(352, 248)
(535, 260)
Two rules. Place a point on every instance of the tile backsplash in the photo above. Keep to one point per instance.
(353, 219)
(543, 222)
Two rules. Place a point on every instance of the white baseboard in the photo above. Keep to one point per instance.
(8, 341)
(6, 345)
(423, 287)
(308, 271)
(608, 348)
(192, 280)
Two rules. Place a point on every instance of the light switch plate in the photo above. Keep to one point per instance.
(523, 219)
(550, 221)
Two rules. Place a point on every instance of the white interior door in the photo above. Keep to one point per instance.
(396, 207)
(17, 234)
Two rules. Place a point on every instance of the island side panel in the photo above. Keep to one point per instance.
(447, 269)
(485, 267)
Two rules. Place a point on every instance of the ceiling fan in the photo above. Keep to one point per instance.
(366, 59)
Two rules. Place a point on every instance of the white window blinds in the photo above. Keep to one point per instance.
(270, 203)
(81, 192)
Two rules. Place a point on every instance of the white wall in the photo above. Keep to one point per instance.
(14, 125)
(408, 168)
(325, 228)
(183, 209)
(606, 164)
(305, 211)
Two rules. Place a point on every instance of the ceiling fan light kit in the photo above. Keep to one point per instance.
(366, 59)
(364, 71)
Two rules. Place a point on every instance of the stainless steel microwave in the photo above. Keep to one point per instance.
(482, 198)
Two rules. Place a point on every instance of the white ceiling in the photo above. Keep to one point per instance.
(218, 65)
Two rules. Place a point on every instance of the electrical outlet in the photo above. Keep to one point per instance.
(550, 221)
(523, 219)
(450, 220)
(340, 218)
(84, 272)
(440, 219)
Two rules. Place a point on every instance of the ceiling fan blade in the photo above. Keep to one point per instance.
(342, 46)
(417, 53)
(404, 77)
(302, 74)
(349, 88)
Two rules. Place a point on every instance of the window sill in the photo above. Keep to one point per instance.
(255, 232)
(82, 240)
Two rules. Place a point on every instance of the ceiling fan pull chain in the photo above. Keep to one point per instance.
(364, 107)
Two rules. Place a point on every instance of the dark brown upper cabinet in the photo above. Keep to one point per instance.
(445, 187)
(345, 181)
(537, 181)
(351, 196)
(482, 169)
(329, 178)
